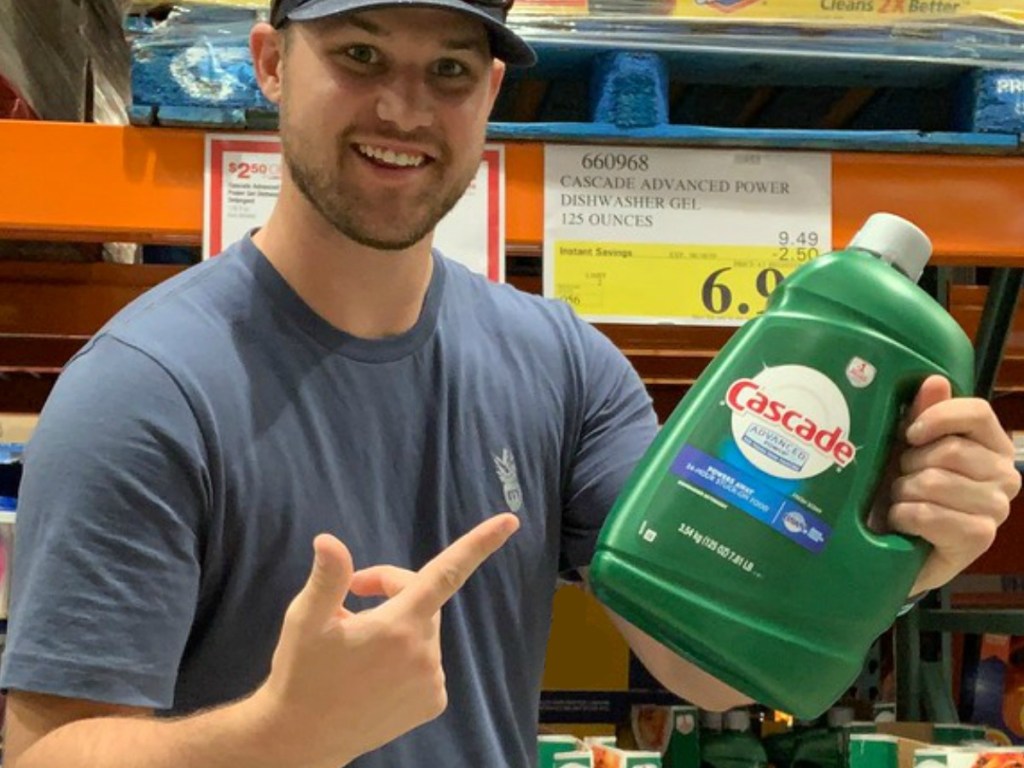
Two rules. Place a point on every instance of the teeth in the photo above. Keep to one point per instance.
(389, 157)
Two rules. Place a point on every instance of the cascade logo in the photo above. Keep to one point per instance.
(727, 6)
(791, 421)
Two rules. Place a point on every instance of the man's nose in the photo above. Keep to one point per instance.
(406, 102)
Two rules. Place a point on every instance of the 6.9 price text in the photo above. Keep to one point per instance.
(717, 296)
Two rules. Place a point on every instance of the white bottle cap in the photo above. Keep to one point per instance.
(896, 241)
(712, 721)
(838, 716)
(737, 720)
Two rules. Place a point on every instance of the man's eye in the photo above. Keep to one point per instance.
(450, 68)
(363, 54)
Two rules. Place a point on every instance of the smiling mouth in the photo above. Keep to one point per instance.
(388, 158)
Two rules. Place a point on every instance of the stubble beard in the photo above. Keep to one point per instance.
(353, 215)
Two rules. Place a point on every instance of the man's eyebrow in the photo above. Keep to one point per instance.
(468, 44)
(474, 43)
(363, 24)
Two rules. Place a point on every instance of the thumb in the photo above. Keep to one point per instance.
(329, 579)
(934, 390)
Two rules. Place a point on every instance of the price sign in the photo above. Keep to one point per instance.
(679, 235)
(243, 178)
(241, 182)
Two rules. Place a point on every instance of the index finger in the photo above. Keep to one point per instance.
(437, 581)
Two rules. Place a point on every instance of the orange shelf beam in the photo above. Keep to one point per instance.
(99, 183)
(66, 181)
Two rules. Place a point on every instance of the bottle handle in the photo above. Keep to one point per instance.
(874, 521)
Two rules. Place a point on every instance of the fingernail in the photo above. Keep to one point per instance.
(914, 430)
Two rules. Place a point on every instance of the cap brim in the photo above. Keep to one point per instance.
(505, 44)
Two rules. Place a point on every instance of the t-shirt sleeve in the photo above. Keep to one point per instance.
(106, 560)
(618, 423)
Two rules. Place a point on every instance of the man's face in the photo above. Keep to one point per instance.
(383, 116)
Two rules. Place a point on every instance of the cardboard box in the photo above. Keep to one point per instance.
(947, 734)
(17, 427)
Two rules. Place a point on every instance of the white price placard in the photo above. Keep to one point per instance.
(243, 178)
(701, 236)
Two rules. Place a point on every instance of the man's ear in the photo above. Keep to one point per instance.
(497, 77)
(267, 46)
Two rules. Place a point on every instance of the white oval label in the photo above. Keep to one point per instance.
(791, 422)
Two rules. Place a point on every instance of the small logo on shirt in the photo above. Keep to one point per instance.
(505, 464)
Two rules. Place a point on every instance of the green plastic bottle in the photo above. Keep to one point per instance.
(741, 539)
(823, 747)
(736, 746)
(710, 732)
(780, 747)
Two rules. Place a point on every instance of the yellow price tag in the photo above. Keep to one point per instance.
(870, 12)
(613, 218)
(549, 7)
(690, 283)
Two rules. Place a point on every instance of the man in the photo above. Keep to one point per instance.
(332, 374)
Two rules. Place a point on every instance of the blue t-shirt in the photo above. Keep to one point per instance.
(190, 453)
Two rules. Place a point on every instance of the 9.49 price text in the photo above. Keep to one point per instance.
(798, 247)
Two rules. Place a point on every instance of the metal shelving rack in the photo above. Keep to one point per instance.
(90, 183)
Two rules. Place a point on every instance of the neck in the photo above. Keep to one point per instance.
(363, 291)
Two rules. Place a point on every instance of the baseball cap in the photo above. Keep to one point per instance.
(505, 44)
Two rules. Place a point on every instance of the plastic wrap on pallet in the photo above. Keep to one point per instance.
(981, 33)
(197, 57)
(976, 33)
(67, 61)
(110, 60)
(38, 59)
(865, 65)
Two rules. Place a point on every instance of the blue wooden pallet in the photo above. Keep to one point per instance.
(737, 86)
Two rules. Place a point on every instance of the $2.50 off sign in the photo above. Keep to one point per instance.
(701, 236)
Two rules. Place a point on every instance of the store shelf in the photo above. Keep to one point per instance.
(87, 183)
(47, 311)
(976, 621)
(100, 183)
(908, 49)
(112, 183)
(69, 299)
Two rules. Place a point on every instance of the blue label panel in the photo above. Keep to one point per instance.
(748, 494)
